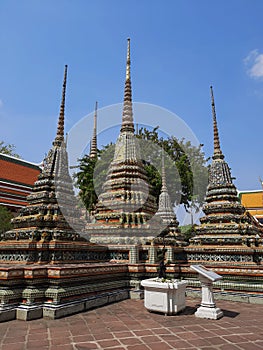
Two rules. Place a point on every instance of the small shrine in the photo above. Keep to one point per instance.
(171, 234)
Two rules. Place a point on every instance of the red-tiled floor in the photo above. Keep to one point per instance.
(127, 325)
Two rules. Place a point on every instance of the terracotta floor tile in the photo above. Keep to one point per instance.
(179, 344)
(124, 334)
(137, 347)
(102, 336)
(37, 336)
(162, 331)
(119, 326)
(204, 334)
(33, 345)
(17, 346)
(58, 333)
(82, 338)
(86, 346)
(249, 346)
(130, 341)
(188, 335)
(61, 341)
(160, 346)
(217, 341)
(230, 347)
(108, 343)
(199, 342)
(192, 328)
(79, 331)
(14, 339)
(221, 331)
(142, 332)
(252, 336)
(166, 337)
(150, 339)
(236, 339)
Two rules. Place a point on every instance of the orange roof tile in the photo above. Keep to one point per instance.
(12, 171)
(252, 200)
(22, 203)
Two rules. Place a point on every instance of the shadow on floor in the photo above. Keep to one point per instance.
(190, 310)
(231, 314)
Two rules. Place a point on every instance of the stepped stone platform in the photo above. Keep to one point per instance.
(57, 290)
(30, 291)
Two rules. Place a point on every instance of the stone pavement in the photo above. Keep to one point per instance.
(127, 325)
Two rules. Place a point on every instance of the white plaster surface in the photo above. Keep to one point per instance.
(212, 313)
(166, 297)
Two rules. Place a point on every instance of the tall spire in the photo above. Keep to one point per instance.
(60, 128)
(164, 186)
(217, 150)
(127, 115)
(128, 60)
(93, 147)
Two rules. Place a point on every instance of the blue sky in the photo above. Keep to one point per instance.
(179, 48)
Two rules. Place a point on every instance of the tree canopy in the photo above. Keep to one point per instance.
(185, 167)
(8, 149)
(5, 219)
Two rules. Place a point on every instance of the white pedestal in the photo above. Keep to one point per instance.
(211, 313)
(165, 297)
(208, 307)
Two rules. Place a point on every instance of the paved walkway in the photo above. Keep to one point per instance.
(128, 326)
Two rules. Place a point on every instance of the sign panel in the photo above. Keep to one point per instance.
(211, 275)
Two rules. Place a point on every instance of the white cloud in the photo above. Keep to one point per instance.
(254, 63)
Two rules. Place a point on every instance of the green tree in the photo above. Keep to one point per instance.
(92, 174)
(177, 165)
(84, 181)
(5, 219)
(199, 169)
(185, 167)
(8, 149)
(188, 231)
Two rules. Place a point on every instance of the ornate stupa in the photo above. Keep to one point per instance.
(226, 222)
(51, 213)
(171, 234)
(125, 201)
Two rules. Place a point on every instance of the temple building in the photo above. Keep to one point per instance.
(17, 178)
(51, 267)
(253, 202)
(126, 204)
